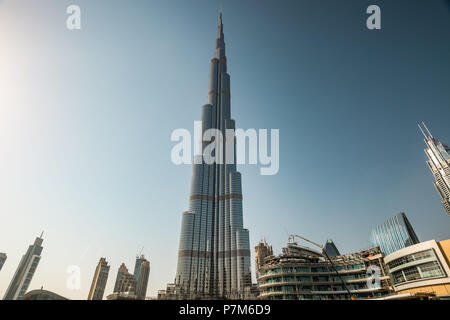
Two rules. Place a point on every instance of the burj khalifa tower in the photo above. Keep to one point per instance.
(214, 248)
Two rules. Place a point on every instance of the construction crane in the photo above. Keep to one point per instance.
(293, 236)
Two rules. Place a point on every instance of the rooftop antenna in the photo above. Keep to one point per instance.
(42, 233)
(422, 131)
(140, 253)
(427, 129)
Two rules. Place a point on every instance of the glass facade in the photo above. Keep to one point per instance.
(439, 164)
(394, 234)
(330, 249)
(25, 271)
(214, 248)
(142, 278)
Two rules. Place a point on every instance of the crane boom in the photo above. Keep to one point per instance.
(292, 236)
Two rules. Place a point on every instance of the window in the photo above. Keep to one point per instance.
(412, 257)
(431, 269)
(398, 277)
(411, 273)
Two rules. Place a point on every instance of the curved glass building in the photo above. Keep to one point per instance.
(394, 234)
(214, 248)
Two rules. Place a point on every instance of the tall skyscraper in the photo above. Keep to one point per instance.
(99, 281)
(439, 164)
(394, 234)
(142, 279)
(214, 248)
(137, 267)
(25, 271)
(330, 249)
(2, 259)
(125, 281)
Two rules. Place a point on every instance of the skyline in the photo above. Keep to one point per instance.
(83, 160)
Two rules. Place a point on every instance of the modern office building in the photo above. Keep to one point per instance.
(439, 164)
(140, 258)
(42, 295)
(214, 247)
(302, 274)
(125, 281)
(99, 281)
(143, 273)
(2, 259)
(25, 271)
(423, 268)
(394, 234)
(330, 249)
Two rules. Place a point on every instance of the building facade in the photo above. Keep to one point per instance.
(125, 281)
(330, 249)
(42, 295)
(439, 164)
(2, 259)
(140, 258)
(143, 273)
(303, 274)
(262, 250)
(421, 268)
(214, 247)
(99, 281)
(25, 271)
(121, 296)
(394, 234)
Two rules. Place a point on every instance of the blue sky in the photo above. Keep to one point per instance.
(86, 118)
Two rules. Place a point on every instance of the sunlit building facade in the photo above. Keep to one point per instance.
(214, 248)
(125, 281)
(439, 164)
(421, 268)
(2, 259)
(98, 284)
(25, 271)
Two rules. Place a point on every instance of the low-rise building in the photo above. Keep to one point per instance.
(42, 294)
(421, 268)
(301, 273)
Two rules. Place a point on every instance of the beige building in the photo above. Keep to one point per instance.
(423, 268)
(262, 250)
(99, 281)
(125, 281)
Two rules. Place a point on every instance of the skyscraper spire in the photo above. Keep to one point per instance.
(220, 31)
(425, 126)
(438, 154)
(219, 52)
